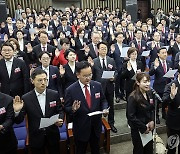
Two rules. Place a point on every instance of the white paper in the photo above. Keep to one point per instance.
(170, 73)
(148, 43)
(67, 33)
(146, 138)
(32, 31)
(70, 125)
(46, 122)
(95, 113)
(124, 51)
(145, 53)
(108, 74)
(49, 32)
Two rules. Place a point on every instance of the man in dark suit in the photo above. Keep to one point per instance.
(40, 103)
(8, 141)
(153, 47)
(116, 55)
(31, 24)
(88, 98)
(43, 46)
(174, 48)
(14, 76)
(171, 96)
(95, 36)
(159, 69)
(53, 76)
(105, 63)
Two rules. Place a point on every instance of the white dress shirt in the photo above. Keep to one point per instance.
(81, 40)
(162, 63)
(83, 88)
(42, 100)
(120, 47)
(42, 47)
(21, 44)
(134, 65)
(101, 61)
(47, 71)
(9, 64)
(72, 67)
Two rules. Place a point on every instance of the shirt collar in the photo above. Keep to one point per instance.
(38, 94)
(11, 60)
(102, 58)
(82, 85)
(44, 46)
(162, 61)
(45, 68)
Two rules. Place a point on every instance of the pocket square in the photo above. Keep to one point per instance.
(97, 95)
(52, 104)
(17, 70)
(2, 110)
(54, 76)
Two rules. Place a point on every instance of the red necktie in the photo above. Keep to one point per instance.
(88, 96)
(139, 45)
(164, 66)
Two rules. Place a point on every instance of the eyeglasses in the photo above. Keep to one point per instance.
(87, 76)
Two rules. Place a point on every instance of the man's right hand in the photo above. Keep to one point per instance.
(76, 105)
(17, 104)
(156, 63)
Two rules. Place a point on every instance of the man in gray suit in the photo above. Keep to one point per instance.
(100, 64)
(18, 12)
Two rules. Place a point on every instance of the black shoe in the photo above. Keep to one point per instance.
(113, 129)
(157, 120)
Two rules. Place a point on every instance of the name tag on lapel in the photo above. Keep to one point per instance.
(2, 110)
(110, 66)
(54, 76)
(97, 95)
(52, 104)
(17, 70)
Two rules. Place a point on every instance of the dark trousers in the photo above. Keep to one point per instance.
(164, 105)
(81, 146)
(169, 133)
(137, 143)
(119, 86)
(110, 100)
(51, 149)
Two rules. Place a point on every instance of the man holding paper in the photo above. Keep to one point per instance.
(82, 98)
(38, 104)
(159, 68)
(101, 64)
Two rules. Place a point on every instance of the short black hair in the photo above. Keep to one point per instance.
(68, 51)
(7, 43)
(36, 72)
(103, 42)
(19, 31)
(161, 49)
(65, 40)
(82, 65)
(119, 33)
(42, 53)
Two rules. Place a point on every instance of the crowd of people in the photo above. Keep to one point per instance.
(53, 61)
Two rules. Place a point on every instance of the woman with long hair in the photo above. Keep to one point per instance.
(140, 113)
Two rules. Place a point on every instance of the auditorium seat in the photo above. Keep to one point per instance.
(21, 135)
(104, 138)
(63, 139)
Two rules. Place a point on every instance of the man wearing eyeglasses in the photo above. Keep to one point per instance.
(14, 76)
(81, 98)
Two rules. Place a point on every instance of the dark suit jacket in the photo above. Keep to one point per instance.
(128, 75)
(159, 80)
(173, 50)
(26, 34)
(37, 50)
(82, 123)
(69, 77)
(7, 137)
(98, 71)
(173, 114)
(18, 83)
(68, 30)
(28, 26)
(54, 80)
(117, 57)
(92, 52)
(177, 60)
(34, 114)
(6, 30)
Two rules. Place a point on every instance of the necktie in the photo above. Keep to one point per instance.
(164, 66)
(139, 45)
(88, 96)
(157, 45)
(104, 66)
(96, 50)
(19, 12)
(44, 49)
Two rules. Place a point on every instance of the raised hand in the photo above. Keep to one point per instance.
(29, 48)
(129, 66)
(61, 70)
(59, 122)
(133, 45)
(73, 42)
(57, 52)
(76, 105)
(112, 48)
(174, 90)
(17, 104)
(90, 61)
(153, 45)
(156, 63)
(86, 49)
(151, 125)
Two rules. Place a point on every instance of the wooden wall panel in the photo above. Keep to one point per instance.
(164, 4)
(33, 4)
